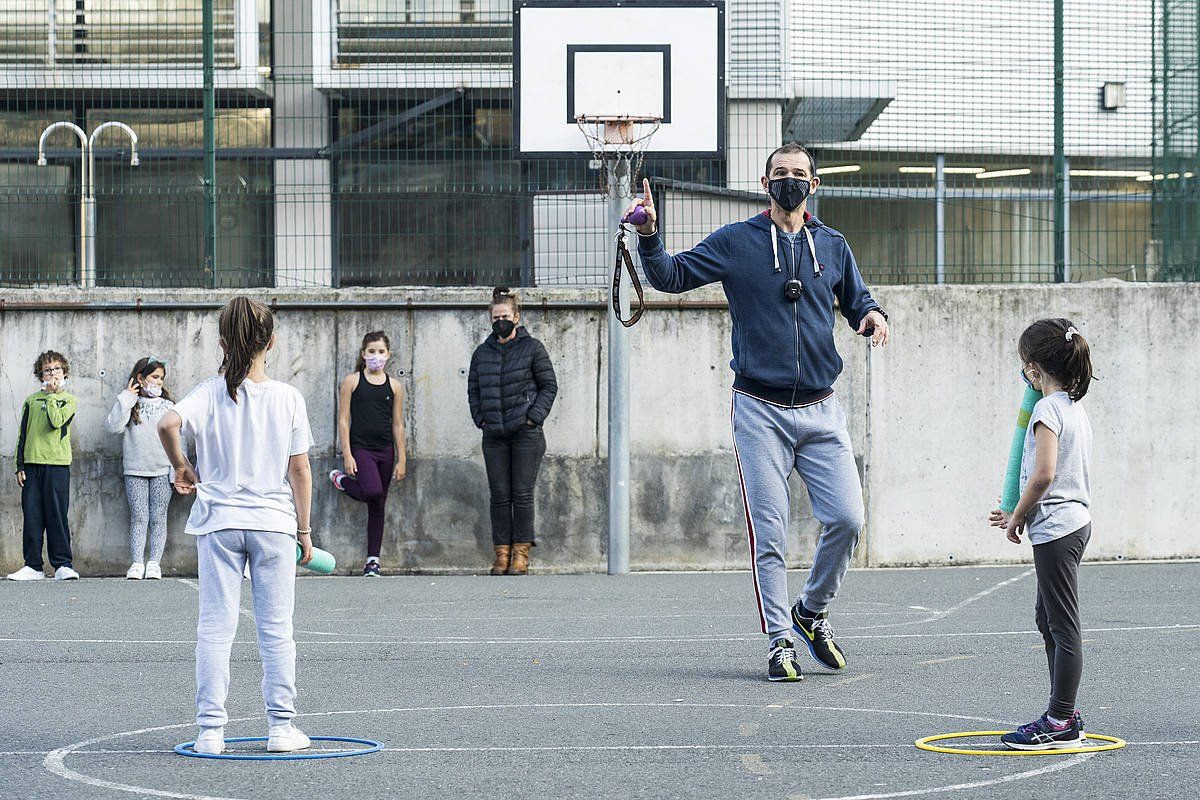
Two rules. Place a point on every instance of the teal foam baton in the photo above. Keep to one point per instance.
(322, 560)
(1011, 492)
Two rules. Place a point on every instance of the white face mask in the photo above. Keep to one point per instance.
(62, 384)
(152, 390)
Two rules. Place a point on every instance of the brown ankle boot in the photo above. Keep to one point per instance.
(500, 565)
(520, 559)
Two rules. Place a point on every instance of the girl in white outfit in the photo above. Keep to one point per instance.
(253, 488)
(147, 470)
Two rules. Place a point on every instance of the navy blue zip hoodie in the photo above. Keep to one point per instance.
(783, 351)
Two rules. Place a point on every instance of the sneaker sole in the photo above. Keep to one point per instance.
(1048, 746)
(279, 749)
(796, 679)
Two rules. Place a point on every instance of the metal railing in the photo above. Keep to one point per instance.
(54, 33)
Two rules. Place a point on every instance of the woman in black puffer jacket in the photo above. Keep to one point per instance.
(511, 389)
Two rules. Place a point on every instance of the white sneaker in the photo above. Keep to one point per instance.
(65, 574)
(135, 572)
(27, 574)
(153, 571)
(211, 741)
(286, 738)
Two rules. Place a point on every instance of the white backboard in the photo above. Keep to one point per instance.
(633, 58)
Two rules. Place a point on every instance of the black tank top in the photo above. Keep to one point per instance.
(371, 414)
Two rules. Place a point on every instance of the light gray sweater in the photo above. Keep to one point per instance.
(142, 450)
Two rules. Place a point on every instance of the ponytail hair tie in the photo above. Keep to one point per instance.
(1071, 331)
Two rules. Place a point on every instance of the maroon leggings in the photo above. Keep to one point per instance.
(371, 487)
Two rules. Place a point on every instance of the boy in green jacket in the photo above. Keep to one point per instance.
(44, 470)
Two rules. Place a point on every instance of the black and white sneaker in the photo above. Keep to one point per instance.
(817, 633)
(371, 570)
(782, 665)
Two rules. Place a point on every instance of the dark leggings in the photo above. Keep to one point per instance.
(1057, 565)
(370, 486)
(512, 466)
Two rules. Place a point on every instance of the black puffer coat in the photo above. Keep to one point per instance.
(510, 384)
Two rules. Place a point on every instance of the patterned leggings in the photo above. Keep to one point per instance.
(148, 500)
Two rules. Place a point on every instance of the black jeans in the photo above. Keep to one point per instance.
(44, 501)
(1057, 565)
(512, 466)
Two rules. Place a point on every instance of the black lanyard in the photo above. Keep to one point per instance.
(623, 256)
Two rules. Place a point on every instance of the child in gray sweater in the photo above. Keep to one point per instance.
(147, 469)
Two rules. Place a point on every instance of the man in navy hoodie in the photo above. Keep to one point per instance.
(783, 272)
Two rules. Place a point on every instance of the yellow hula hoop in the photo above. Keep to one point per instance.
(924, 743)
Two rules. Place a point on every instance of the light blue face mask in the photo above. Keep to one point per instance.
(152, 391)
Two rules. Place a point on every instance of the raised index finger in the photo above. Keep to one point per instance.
(649, 200)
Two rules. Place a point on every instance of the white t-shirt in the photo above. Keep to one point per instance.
(1065, 507)
(242, 452)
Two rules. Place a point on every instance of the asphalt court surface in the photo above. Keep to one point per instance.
(647, 685)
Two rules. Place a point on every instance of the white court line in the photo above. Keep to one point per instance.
(959, 606)
(1033, 773)
(54, 762)
(747, 744)
(731, 638)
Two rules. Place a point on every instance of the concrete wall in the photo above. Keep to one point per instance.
(930, 417)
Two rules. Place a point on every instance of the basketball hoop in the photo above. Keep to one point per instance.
(619, 143)
(617, 140)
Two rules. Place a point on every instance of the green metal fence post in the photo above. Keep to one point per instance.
(210, 150)
(1060, 166)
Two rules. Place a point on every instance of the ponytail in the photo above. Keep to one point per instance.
(1078, 364)
(1057, 347)
(245, 326)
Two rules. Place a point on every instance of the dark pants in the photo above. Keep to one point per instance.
(1057, 565)
(370, 486)
(512, 466)
(44, 501)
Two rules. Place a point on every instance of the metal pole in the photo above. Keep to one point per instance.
(210, 148)
(84, 189)
(939, 201)
(618, 397)
(89, 277)
(1065, 209)
(1060, 166)
(52, 33)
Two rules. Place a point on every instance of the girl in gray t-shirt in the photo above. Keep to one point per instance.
(1054, 511)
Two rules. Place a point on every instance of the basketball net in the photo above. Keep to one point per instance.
(616, 142)
(619, 144)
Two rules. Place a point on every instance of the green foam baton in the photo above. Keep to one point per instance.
(1011, 492)
(322, 560)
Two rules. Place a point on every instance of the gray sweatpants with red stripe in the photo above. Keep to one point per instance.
(769, 442)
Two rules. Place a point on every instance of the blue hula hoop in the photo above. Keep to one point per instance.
(185, 749)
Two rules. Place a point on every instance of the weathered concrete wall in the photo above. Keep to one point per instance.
(930, 418)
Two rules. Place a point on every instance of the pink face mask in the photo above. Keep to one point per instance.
(375, 363)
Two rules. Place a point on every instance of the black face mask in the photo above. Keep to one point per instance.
(503, 328)
(789, 193)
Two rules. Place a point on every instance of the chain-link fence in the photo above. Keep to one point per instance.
(370, 142)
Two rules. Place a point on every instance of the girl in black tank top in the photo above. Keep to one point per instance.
(371, 413)
(371, 435)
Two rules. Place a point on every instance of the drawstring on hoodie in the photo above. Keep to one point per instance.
(812, 248)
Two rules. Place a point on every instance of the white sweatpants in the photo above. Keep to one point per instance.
(222, 557)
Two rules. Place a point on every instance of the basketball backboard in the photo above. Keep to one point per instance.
(636, 58)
